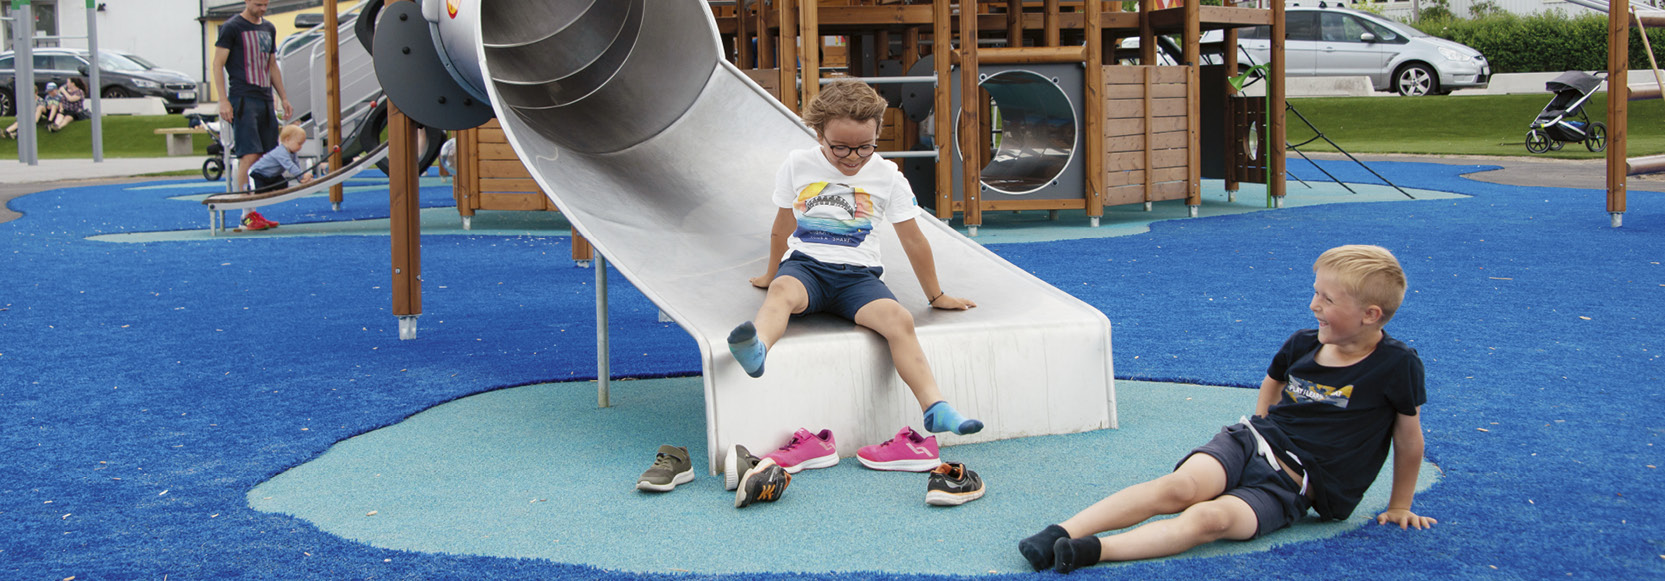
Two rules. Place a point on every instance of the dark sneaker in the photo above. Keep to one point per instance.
(737, 461)
(671, 468)
(953, 484)
(764, 483)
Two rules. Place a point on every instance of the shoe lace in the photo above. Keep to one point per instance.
(664, 461)
(791, 444)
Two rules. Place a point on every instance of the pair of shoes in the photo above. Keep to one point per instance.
(952, 484)
(763, 483)
(255, 221)
(10, 134)
(737, 461)
(806, 450)
(671, 468)
(905, 452)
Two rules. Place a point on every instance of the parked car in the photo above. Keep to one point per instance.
(121, 75)
(1332, 42)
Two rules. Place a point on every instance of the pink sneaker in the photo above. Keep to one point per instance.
(905, 452)
(808, 450)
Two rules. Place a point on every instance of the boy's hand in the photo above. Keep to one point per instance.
(950, 303)
(1405, 518)
(306, 179)
(761, 281)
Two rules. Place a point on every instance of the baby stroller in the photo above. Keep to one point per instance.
(1564, 119)
(215, 166)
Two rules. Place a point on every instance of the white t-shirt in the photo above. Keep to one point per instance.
(836, 213)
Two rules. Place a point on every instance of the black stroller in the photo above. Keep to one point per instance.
(1564, 119)
(215, 165)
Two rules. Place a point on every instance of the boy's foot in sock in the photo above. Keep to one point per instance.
(1038, 548)
(1072, 554)
(941, 417)
(747, 349)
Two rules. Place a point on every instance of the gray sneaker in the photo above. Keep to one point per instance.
(737, 461)
(671, 468)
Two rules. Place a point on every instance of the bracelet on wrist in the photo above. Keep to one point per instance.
(935, 299)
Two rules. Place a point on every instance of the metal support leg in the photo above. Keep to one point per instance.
(1232, 196)
(601, 331)
(1093, 221)
(1615, 219)
(407, 327)
(1192, 211)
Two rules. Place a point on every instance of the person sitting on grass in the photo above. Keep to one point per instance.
(72, 104)
(1333, 401)
(275, 169)
(45, 109)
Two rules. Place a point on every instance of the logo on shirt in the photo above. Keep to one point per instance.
(1303, 391)
(833, 213)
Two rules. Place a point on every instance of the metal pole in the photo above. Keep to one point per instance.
(24, 61)
(92, 86)
(602, 372)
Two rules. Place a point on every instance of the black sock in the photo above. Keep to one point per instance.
(1038, 548)
(1072, 554)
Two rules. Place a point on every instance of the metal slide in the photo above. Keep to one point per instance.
(664, 156)
(219, 203)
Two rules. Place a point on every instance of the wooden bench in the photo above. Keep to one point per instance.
(179, 139)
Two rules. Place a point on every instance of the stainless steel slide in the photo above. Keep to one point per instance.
(664, 156)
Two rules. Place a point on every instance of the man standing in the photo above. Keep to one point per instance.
(244, 52)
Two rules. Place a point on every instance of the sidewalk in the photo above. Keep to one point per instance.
(52, 170)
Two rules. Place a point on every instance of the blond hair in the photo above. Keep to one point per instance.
(1370, 274)
(291, 132)
(847, 99)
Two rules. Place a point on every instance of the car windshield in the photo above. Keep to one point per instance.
(110, 61)
(1402, 29)
(142, 62)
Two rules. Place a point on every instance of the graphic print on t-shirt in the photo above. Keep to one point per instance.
(257, 57)
(831, 213)
(1304, 391)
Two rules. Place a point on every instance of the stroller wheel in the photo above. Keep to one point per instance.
(213, 168)
(1556, 145)
(1597, 137)
(1538, 141)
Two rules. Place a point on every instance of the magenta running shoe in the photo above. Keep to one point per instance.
(905, 452)
(807, 450)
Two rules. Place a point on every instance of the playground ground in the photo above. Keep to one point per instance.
(184, 406)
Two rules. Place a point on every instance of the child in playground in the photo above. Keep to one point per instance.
(824, 256)
(275, 169)
(72, 102)
(1333, 400)
(46, 108)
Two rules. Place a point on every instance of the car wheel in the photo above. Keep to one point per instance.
(1538, 141)
(175, 110)
(6, 107)
(1416, 80)
(1597, 137)
(115, 92)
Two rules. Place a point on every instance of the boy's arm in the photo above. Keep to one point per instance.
(1409, 456)
(919, 252)
(779, 231)
(1268, 394)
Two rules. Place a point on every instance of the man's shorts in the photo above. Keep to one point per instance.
(841, 289)
(254, 126)
(1273, 495)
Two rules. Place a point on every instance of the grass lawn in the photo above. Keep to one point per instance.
(1456, 125)
(124, 136)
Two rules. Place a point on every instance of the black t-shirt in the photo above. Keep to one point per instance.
(249, 67)
(1340, 420)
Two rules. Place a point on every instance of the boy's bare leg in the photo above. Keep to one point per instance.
(1199, 479)
(786, 296)
(892, 321)
(1225, 517)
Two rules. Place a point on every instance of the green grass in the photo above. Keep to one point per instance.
(1456, 125)
(124, 136)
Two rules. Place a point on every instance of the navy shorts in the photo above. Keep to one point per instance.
(254, 126)
(1273, 495)
(841, 289)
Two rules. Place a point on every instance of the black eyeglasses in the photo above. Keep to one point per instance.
(863, 151)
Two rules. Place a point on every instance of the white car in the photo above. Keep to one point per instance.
(1333, 42)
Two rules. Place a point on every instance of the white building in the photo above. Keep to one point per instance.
(165, 32)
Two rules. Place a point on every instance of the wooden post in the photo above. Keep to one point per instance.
(787, 52)
(1050, 22)
(1276, 106)
(404, 224)
(1190, 53)
(465, 185)
(1093, 109)
(1148, 42)
(333, 95)
(943, 112)
(810, 45)
(967, 127)
(743, 39)
(1230, 42)
(1015, 23)
(1619, 22)
(766, 40)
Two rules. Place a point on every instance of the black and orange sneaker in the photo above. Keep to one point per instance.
(764, 483)
(952, 484)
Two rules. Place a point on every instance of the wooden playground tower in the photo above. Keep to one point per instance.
(1141, 123)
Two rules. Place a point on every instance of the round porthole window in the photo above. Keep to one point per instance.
(1033, 132)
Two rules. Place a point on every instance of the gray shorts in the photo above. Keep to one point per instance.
(840, 289)
(1276, 499)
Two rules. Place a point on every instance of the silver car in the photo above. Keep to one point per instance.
(1334, 42)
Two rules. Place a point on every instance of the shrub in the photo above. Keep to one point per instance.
(1544, 42)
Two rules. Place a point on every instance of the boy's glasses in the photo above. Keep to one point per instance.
(863, 151)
